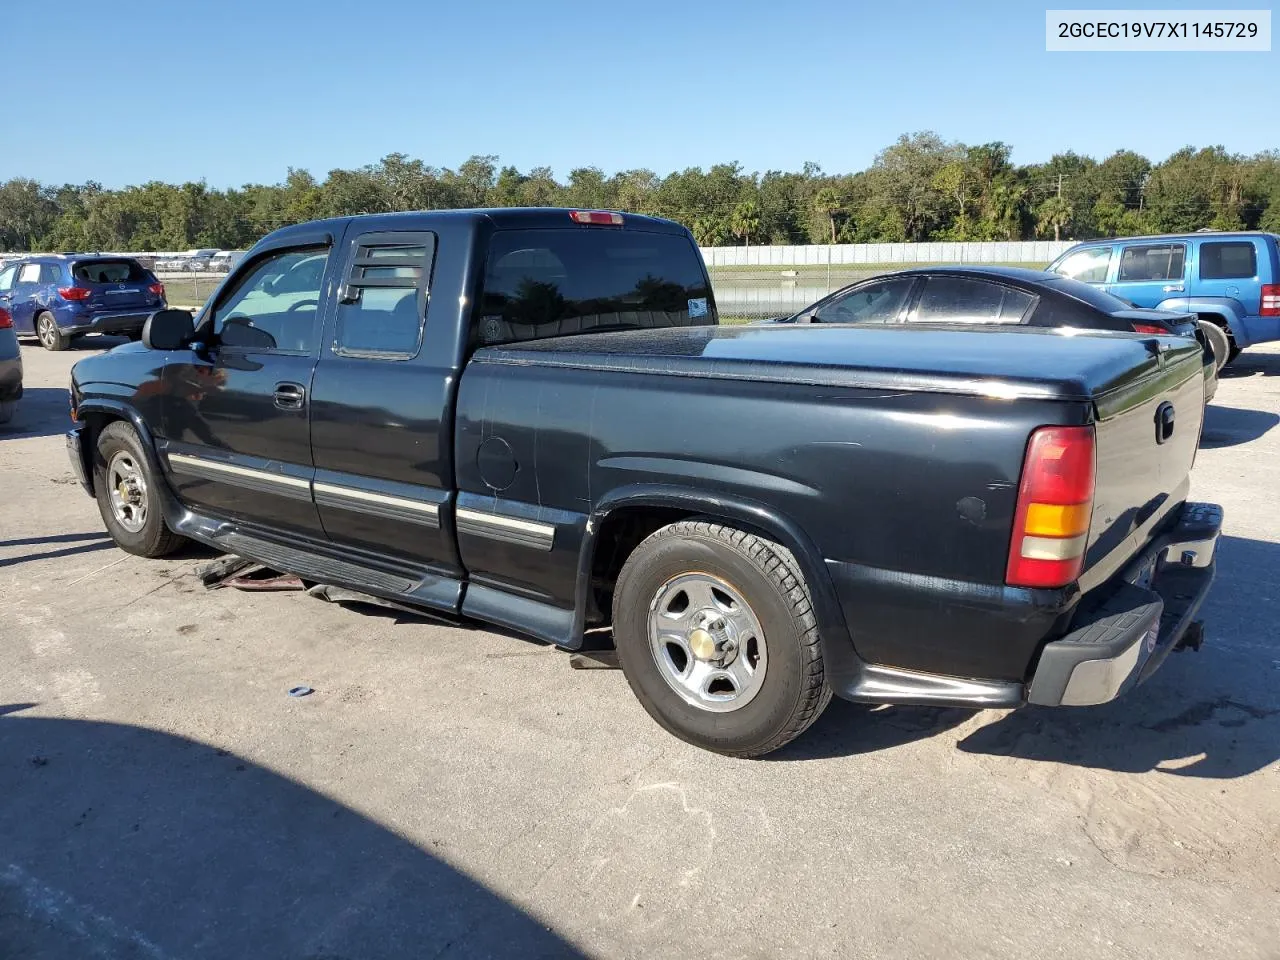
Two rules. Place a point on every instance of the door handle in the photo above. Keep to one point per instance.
(1172, 288)
(290, 396)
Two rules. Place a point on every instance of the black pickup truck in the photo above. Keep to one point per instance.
(532, 418)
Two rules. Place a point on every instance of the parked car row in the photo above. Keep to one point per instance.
(947, 487)
(200, 261)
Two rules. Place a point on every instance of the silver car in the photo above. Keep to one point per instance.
(10, 367)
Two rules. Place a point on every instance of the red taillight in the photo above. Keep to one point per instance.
(74, 293)
(599, 217)
(1270, 306)
(157, 288)
(6, 319)
(1055, 502)
(1150, 328)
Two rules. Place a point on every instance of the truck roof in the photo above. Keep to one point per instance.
(529, 218)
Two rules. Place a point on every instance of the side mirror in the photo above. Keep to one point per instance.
(168, 329)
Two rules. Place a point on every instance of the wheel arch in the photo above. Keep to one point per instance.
(624, 517)
(96, 414)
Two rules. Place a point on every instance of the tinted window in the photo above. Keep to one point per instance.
(547, 283)
(30, 273)
(1090, 295)
(385, 294)
(872, 303)
(109, 271)
(273, 306)
(6, 277)
(1087, 266)
(1228, 261)
(50, 273)
(1154, 262)
(961, 300)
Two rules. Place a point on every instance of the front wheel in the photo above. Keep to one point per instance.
(51, 338)
(127, 494)
(716, 635)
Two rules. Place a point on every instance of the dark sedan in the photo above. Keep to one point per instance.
(997, 295)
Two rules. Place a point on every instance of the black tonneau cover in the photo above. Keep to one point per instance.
(1009, 362)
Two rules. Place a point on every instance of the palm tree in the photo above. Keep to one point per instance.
(745, 220)
(828, 203)
(1055, 214)
(1006, 207)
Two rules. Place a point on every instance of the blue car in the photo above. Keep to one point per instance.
(55, 298)
(1230, 280)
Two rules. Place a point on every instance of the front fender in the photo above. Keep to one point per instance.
(111, 409)
(840, 659)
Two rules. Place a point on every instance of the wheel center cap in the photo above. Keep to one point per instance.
(702, 644)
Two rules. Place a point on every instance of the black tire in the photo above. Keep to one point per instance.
(154, 538)
(793, 691)
(47, 332)
(7, 409)
(1218, 340)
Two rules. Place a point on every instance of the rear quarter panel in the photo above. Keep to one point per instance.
(898, 489)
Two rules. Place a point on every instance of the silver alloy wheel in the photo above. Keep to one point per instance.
(127, 486)
(707, 642)
(47, 332)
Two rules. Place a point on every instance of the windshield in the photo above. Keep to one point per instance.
(548, 283)
(110, 271)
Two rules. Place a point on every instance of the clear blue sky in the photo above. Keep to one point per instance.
(234, 92)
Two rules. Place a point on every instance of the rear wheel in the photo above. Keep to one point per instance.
(127, 494)
(7, 409)
(51, 338)
(716, 635)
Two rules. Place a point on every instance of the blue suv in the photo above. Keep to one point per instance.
(1231, 280)
(56, 298)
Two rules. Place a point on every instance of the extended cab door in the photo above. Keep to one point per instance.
(1150, 274)
(236, 411)
(381, 417)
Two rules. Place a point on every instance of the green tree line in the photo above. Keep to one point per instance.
(920, 188)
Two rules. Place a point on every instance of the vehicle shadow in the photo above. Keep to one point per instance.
(1212, 714)
(78, 543)
(42, 412)
(124, 842)
(846, 729)
(1229, 426)
(1251, 363)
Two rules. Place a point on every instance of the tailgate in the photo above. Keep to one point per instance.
(1148, 431)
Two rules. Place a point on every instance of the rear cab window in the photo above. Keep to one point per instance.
(382, 304)
(1228, 260)
(110, 271)
(551, 282)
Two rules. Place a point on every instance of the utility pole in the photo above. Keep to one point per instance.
(1059, 185)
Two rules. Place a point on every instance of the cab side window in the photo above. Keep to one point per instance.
(383, 301)
(275, 304)
(872, 303)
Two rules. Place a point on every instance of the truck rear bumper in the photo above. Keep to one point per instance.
(1124, 635)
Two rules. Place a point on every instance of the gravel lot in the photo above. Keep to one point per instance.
(456, 792)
